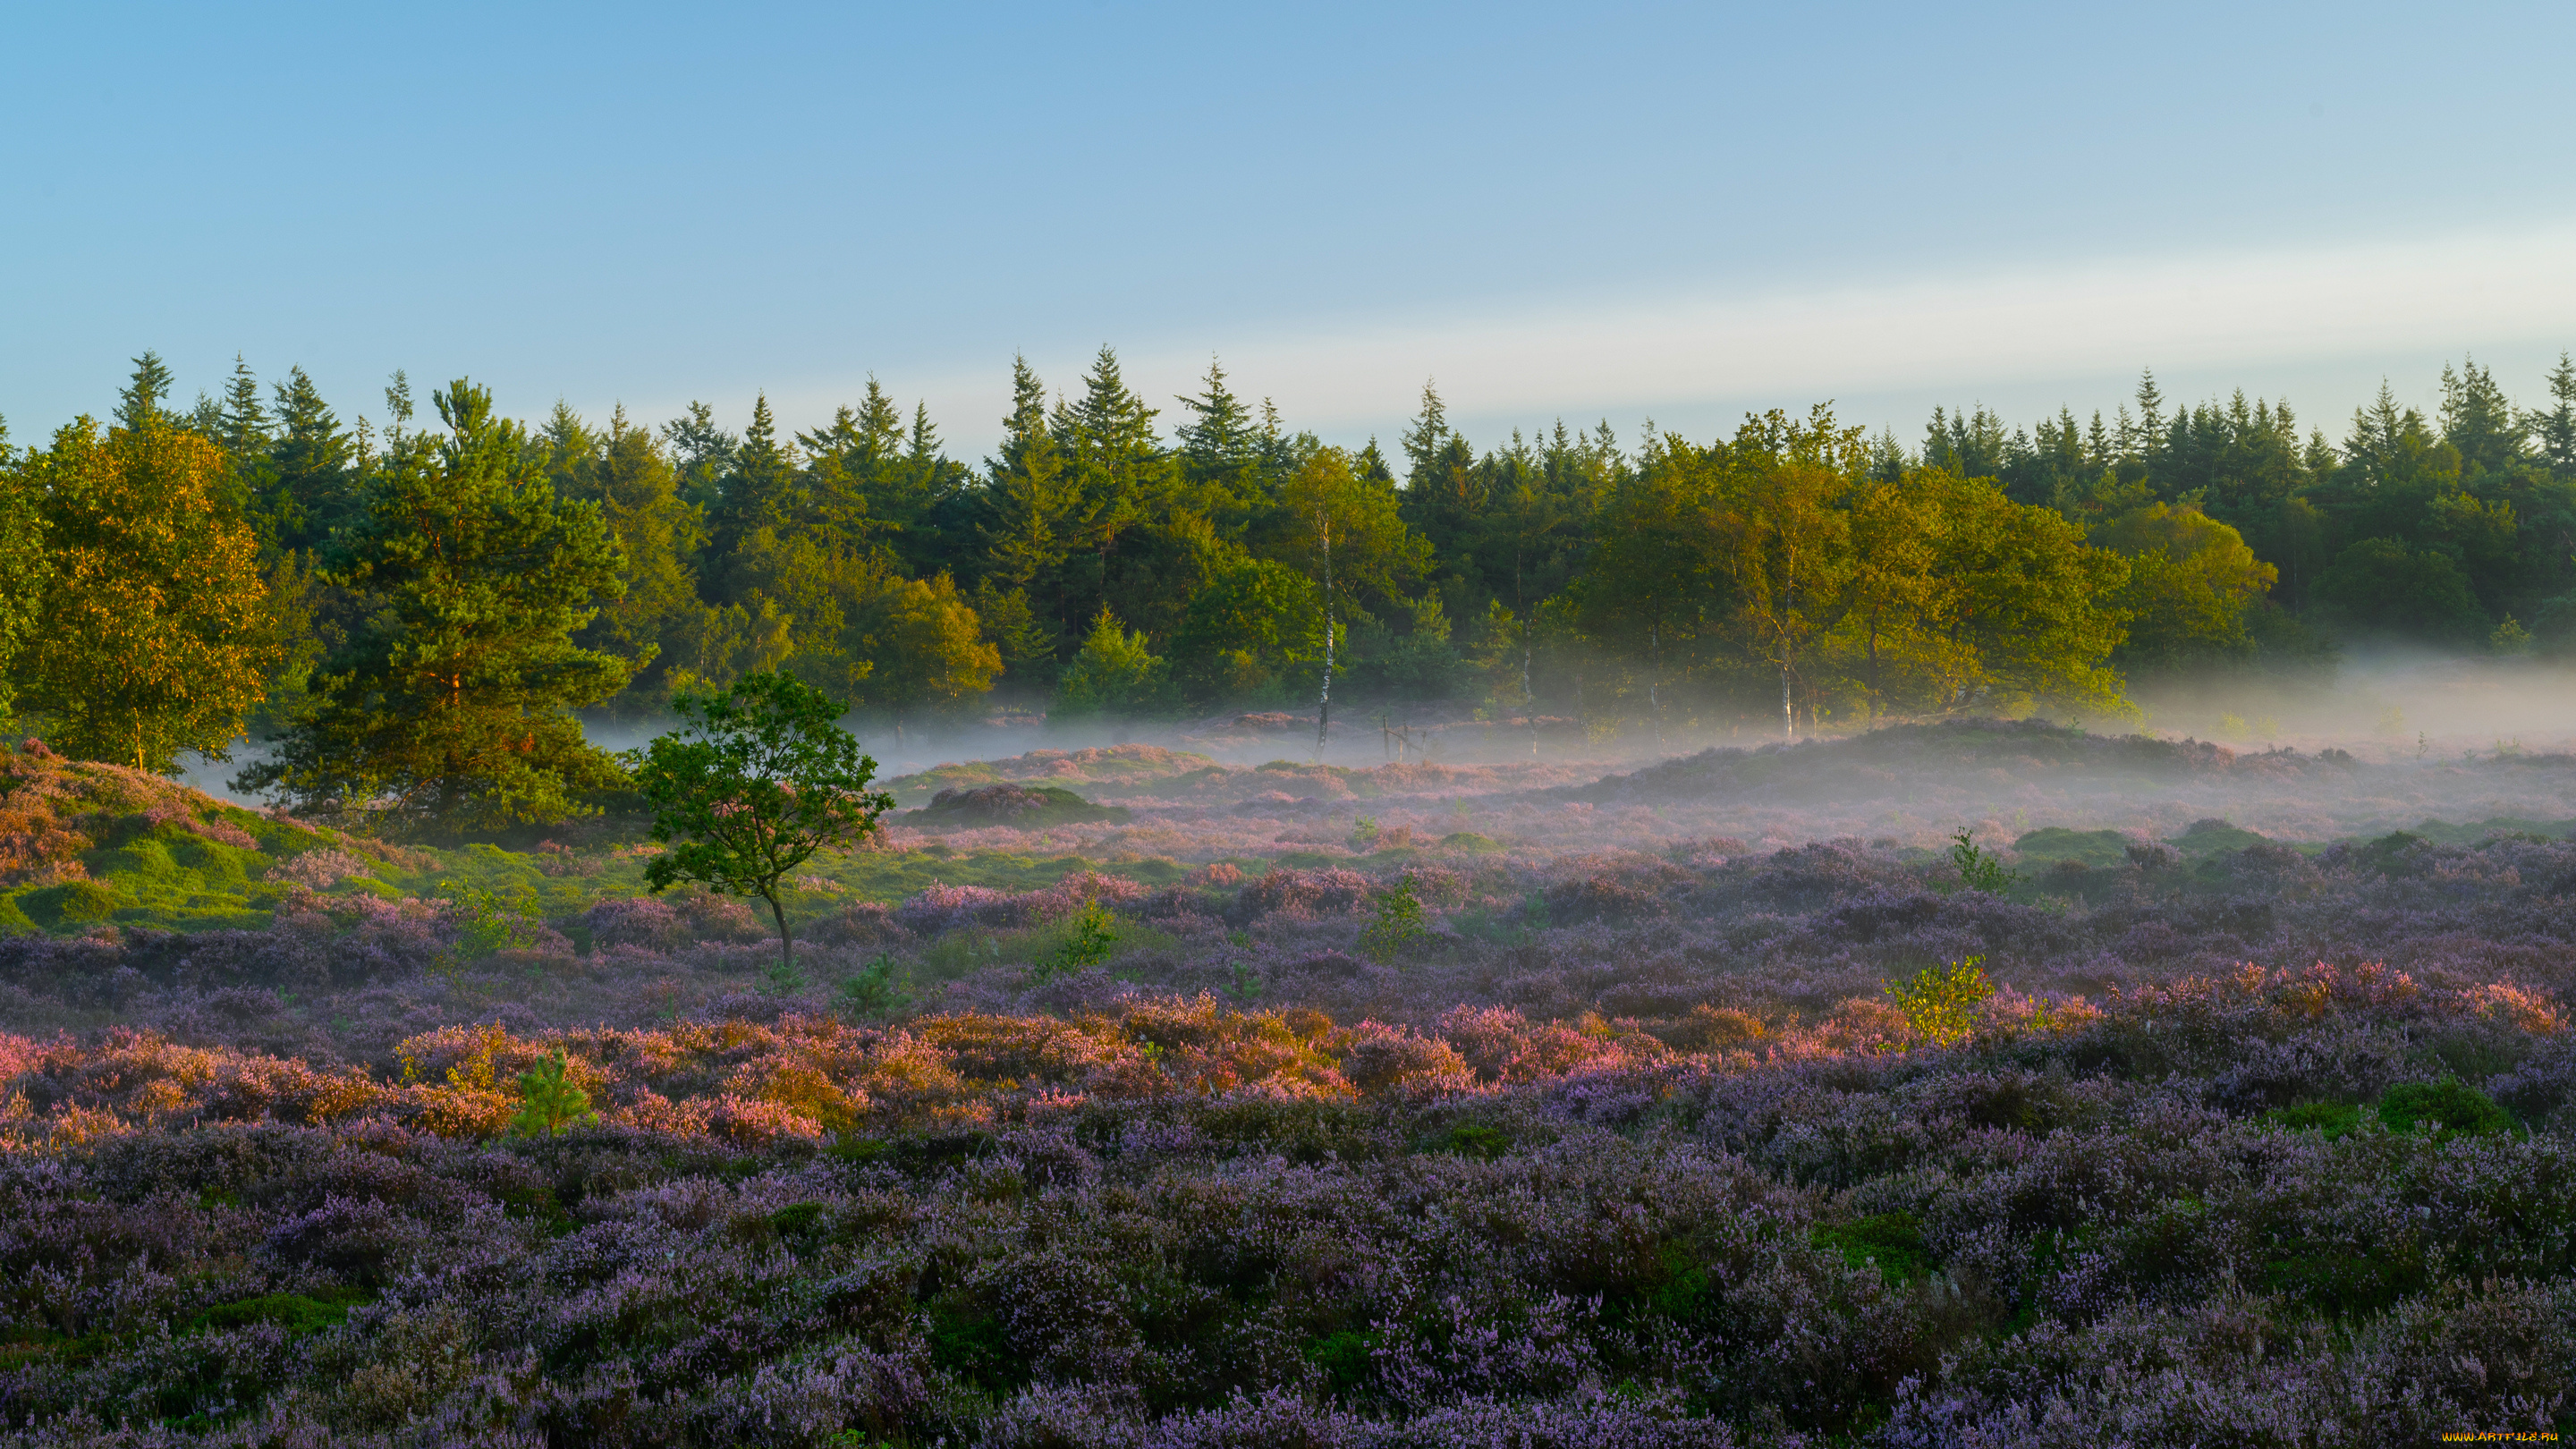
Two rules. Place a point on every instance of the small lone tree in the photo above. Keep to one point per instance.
(759, 779)
(549, 1100)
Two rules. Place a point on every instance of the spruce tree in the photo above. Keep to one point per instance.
(313, 490)
(141, 400)
(245, 425)
(2555, 429)
(758, 492)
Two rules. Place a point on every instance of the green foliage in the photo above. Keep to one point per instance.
(487, 922)
(1474, 1140)
(1346, 1359)
(72, 903)
(878, 989)
(1396, 927)
(2335, 1120)
(1091, 938)
(2193, 585)
(1891, 1241)
(298, 1314)
(2445, 1107)
(1979, 871)
(152, 635)
(549, 1100)
(2383, 586)
(449, 707)
(1941, 1002)
(1113, 676)
(1251, 624)
(757, 781)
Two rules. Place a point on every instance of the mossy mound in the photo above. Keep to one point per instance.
(1022, 807)
(84, 843)
(2097, 849)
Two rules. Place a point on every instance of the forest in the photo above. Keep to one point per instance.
(1904, 1074)
(413, 612)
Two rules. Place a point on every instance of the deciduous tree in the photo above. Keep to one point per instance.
(152, 636)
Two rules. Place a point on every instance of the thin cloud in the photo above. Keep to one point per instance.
(1959, 335)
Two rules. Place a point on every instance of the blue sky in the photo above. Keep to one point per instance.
(1620, 211)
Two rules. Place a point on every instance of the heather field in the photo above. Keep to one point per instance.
(1136, 1096)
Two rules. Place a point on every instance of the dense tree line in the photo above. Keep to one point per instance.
(414, 614)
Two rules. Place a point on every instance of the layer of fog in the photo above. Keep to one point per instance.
(2428, 736)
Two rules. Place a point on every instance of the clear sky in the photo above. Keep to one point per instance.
(1622, 211)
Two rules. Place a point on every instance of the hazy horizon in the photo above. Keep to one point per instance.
(1636, 213)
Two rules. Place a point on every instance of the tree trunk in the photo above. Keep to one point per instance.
(786, 952)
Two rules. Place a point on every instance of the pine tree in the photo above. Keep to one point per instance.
(1117, 460)
(449, 708)
(2151, 416)
(2479, 420)
(702, 452)
(24, 564)
(1220, 449)
(1035, 506)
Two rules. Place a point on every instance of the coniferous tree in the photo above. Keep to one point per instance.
(2554, 428)
(1036, 505)
(703, 453)
(312, 485)
(2479, 420)
(759, 492)
(449, 708)
(141, 400)
(245, 424)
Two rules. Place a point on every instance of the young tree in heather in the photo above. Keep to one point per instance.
(449, 707)
(151, 638)
(759, 779)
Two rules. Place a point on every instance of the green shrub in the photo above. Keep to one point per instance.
(1398, 924)
(295, 1313)
(1893, 1241)
(72, 903)
(1941, 1002)
(2449, 1106)
(1345, 1359)
(1979, 871)
(877, 989)
(1091, 941)
(2334, 1119)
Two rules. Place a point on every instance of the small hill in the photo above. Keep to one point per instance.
(1849, 767)
(83, 842)
(1022, 807)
